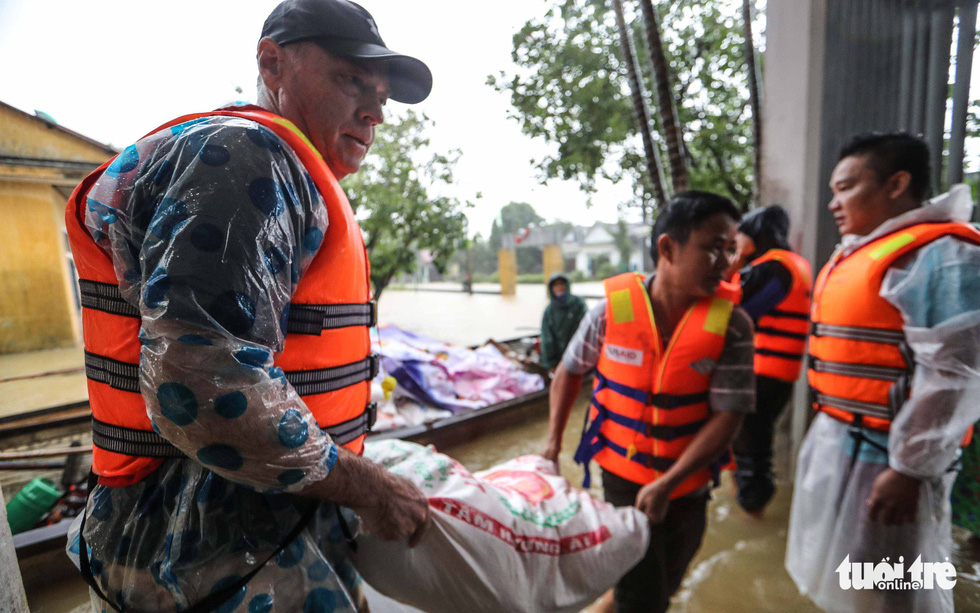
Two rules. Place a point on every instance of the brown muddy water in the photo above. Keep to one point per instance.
(739, 568)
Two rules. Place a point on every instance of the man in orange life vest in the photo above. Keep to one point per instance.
(776, 294)
(894, 373)
(226, 313)
(673, 354)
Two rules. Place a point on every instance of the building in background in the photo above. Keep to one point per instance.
(589, 250)
(40, 164)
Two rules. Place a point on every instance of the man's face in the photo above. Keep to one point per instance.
(700, 264)
(559, 287)
(336, 102)
(861, 202)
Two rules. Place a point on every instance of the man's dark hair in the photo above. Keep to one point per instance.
(891, 153)
(768, 228)
(685, 212)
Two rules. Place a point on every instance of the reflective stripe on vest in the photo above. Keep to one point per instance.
(326, 355)
(303, 318)
(861, 366)
(781, 334)
(149, 444)
(649, 400)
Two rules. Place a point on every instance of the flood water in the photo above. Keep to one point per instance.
(739, 568)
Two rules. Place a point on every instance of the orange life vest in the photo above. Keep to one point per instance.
(861, 366)
(650, 398)
(780, 334)
(327, 353)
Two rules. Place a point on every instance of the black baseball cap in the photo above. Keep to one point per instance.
(346, 29)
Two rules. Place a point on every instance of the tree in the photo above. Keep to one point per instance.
(665, 99)
(392, 200)
(654, 169)
(753, 99)
(568, 91)
(624, 245)
(512, 219)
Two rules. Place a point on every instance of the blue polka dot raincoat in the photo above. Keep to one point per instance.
(210, 225)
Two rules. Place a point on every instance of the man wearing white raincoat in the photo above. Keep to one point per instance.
(895, 375)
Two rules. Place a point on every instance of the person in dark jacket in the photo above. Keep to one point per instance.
(560, 321)
(776, 288)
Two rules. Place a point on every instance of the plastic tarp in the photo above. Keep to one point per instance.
(448, 377)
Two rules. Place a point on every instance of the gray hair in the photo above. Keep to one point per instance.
(263, 97)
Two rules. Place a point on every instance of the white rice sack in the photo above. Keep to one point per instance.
(513, 538)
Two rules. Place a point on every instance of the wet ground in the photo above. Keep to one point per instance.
(739, 568)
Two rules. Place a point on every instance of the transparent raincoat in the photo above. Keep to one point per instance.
(210, 225)
(937, 290)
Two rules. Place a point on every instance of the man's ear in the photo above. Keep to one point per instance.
(898, 184)
(271, 60)
(665, 247)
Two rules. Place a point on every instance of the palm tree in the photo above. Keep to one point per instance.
(753, 100)
(668, 118)
(654, 169)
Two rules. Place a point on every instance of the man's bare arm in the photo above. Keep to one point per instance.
(391, 507)
(565, 388)
(708, 445)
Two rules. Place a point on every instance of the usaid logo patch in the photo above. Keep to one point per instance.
(624, 355)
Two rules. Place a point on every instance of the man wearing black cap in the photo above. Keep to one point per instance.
(776, 295)
(226, 330)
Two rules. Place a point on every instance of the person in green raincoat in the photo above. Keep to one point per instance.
(560, 321)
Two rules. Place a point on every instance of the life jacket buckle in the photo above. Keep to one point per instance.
(375, 365)
(374, 314)
(372, 414)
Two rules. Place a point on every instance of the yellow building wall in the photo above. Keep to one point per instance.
(37, 300)
(36, 304)
(24, 135)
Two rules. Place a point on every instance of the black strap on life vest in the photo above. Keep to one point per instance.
(125, 376)
(320, 381)
(313, 319)
(149, 444)
(105, 297)
(310, 319)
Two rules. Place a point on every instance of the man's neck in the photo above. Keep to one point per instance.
(897, 210)
(669, 305)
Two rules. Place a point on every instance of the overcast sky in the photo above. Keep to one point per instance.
(114, 69)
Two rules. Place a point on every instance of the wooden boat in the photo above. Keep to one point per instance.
(73, 422)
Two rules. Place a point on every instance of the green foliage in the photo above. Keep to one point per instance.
(515, 217)
(602, 268)
(536, 277)
(481, 257)
(391, 196)
(624, 245)
(571, 91)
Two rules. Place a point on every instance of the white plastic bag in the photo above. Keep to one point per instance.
(513, 538)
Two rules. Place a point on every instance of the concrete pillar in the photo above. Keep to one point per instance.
(552, 262)
(507, 265)
(791, 152)
(12, 597)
